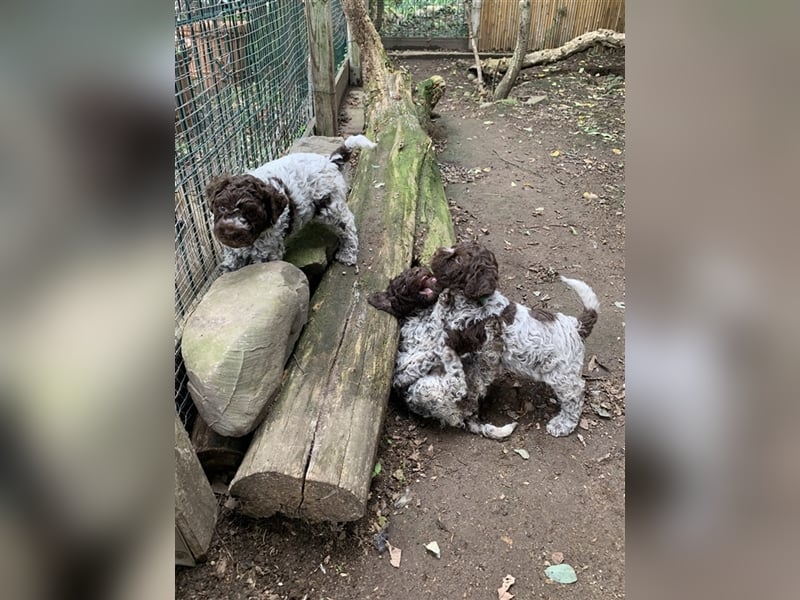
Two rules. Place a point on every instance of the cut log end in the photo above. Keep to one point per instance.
(324, 501)
(264, 494)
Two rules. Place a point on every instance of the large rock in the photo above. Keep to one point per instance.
(236, 343)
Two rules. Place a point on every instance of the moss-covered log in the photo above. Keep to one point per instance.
(314, 453)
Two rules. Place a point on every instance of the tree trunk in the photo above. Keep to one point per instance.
(523, 35)
(473, 22)
(314, 453)
(604, 37)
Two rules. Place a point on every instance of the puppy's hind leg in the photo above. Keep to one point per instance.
(570, 396)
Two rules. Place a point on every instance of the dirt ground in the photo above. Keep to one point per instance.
(542, 184)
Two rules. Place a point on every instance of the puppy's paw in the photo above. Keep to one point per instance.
(560, 426)
(493, 432)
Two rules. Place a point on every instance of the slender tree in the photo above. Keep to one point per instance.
(523, 35)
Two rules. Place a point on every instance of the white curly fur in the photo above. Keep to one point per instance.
(435, 382)
(304, 177)
(550, 351)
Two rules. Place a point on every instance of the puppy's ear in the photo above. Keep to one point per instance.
(380, 300)
(273, 199)
(479, 286)
(482, 281)
(215, 187)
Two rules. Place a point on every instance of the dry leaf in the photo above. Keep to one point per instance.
(394, 555)
(502, 591)
(433, 548)
(221, 567)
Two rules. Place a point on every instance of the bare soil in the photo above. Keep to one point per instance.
(543, 186)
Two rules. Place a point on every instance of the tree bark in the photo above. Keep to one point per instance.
(604, 37)
(472, 25)
(313, 455)
(523, 35)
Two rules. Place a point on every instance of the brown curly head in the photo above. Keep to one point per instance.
(467, 267)
(243, 207)
(412, 290)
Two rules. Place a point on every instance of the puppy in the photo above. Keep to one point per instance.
(254, 213)
(536, 343)
(430, 376)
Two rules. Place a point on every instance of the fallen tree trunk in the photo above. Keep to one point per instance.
(604, 37)
(313, 455)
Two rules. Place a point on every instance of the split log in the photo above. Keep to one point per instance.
(313, 455)
(604, 37)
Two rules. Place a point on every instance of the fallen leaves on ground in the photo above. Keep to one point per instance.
(394, 555)
(502, 591)
(433, 548)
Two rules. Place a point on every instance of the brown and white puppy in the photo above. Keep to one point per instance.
(256, 212)
(437, 372)
(536, 344)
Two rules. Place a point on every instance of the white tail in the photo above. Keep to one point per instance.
(584, 292)
(359, 141)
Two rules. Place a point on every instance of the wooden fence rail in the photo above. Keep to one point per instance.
(553, 22)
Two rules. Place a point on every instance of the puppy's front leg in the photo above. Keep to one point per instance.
(233, 259)
(269, 249)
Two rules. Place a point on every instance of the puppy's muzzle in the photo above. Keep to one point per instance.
(234, 232)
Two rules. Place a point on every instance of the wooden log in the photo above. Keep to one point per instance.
(195, 504)
(605, 37)
(218, 454)
(313, 455)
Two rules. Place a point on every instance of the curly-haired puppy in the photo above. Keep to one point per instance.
(536, 344)
(430, 376)
(254, 213)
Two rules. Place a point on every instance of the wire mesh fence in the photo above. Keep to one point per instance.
(420, 18)
(339, 33)
(241, 99)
